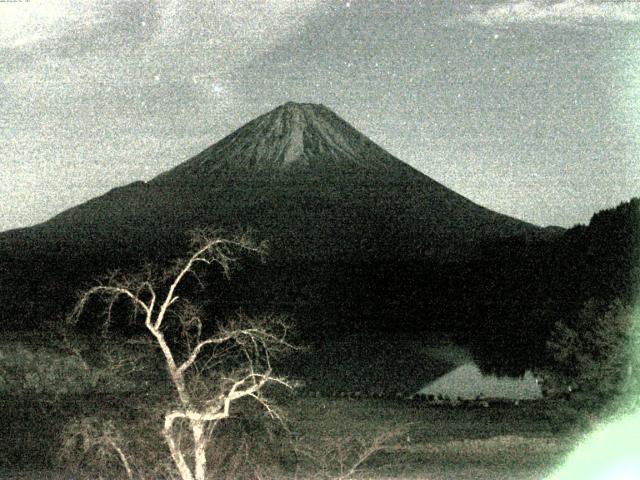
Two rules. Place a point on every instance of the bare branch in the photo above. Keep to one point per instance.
(210, 250)
(109, 291)
(254, 339)
(196, 351)
(345, 456)
(265, 335)
(246, 386)
(379, 443)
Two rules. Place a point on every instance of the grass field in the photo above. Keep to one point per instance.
(440, 442)
(45, 390)
(435, 442)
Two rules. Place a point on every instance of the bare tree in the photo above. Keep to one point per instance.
(99, 436)
(342, 458)
(197, 363)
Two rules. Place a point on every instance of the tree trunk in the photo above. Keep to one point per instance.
(176, 453)
(199, 444)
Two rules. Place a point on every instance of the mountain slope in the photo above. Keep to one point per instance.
(299, 176)
(291, 137)
(361, 243)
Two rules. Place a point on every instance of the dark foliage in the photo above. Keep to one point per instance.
(500, 299)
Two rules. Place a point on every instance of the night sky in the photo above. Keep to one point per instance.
(530, 108)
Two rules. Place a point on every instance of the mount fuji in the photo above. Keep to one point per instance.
(298, 176)
(360, 242)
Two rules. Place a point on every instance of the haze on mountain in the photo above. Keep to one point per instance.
(298, 176)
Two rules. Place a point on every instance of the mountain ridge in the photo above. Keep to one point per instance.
(299, 176)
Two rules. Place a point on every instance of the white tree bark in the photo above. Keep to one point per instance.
(259, 338)
(199, 454)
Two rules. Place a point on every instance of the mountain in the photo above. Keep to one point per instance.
(292, 138)
(363, 246)
(299, 176)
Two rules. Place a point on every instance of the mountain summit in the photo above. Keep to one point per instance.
(299, 176)
(292, 137)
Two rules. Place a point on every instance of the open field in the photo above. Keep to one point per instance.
(436, 442)
(46, 389)
(440, 442)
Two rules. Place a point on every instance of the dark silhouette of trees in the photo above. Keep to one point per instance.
(591, 354)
